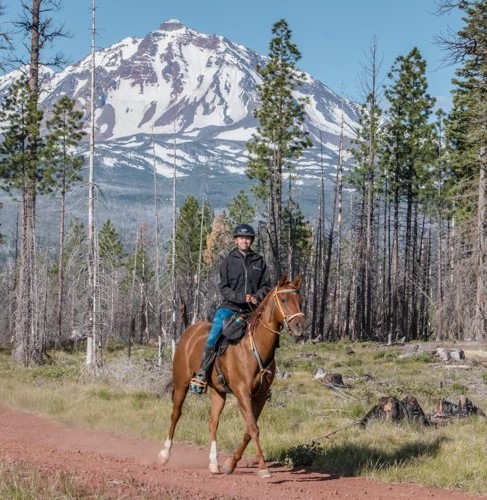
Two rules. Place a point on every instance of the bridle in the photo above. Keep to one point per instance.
(287, 318)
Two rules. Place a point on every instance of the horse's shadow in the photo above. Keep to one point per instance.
(313, 462)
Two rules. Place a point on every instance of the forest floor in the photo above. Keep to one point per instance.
(107, 466)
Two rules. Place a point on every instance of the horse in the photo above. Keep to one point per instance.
(245, 369)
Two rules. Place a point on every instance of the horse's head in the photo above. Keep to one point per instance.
(288, 305)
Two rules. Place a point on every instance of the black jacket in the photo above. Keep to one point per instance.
(241, 275)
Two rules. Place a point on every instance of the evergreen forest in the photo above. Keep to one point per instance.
(397, 252)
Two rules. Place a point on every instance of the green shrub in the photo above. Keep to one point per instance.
(52, 371)
(353, 361)
(422, 357)
(106, 394)
(5, 348)
(458, 388)
(302, 455)
(386, 355)
(139, 398)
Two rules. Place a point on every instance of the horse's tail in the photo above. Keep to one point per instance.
(168, 386)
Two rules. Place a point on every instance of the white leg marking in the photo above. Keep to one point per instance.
(165, 453)
(214, 467)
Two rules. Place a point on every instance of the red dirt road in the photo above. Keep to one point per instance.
(118, 467)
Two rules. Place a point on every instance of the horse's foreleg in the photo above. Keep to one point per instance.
(177, 404)
(251, 410)
(231, 462)
(217, 404)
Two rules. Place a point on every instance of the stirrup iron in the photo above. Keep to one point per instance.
(198, 385)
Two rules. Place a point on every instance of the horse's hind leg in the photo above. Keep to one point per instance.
(179, 395)
(252, 432)
(217, 404)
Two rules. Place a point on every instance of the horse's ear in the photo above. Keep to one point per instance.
(297, 282)
(283, 280)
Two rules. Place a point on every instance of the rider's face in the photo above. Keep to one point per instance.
(243, 242)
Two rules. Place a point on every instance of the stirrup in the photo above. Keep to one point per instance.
(198, 385)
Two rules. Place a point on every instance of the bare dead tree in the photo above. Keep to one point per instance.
(91, 305)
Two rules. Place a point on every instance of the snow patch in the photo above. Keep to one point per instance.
(235, 170)
(237, 134)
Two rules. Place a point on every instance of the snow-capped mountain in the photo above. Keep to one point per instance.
(180, 97)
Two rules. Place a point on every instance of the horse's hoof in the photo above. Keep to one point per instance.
(214, 469)
(227, 467)
(264, 473)
(163, 457)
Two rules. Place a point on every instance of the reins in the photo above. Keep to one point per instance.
(286, 318)
(255, 318)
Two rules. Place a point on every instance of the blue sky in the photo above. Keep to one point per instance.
(333, 36)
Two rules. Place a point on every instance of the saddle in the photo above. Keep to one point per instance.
(234, 329)
(235, 326)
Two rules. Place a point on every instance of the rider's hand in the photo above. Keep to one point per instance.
(251, 299)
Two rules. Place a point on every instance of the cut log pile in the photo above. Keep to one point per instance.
(390, 409)
(446, 410)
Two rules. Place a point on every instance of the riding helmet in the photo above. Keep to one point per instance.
(244, 230)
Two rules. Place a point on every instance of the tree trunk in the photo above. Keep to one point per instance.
(28, 349)
(91, 305)
(61, 263)
(480, 321)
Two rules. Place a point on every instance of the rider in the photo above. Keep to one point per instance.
(244, 282)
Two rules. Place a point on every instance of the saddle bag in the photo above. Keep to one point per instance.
(234, 327)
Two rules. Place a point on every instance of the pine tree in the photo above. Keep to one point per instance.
(279, 139)
(406, 157)
(296, 238)
(468, 135)
(22, 166)
(188, 235)
(140, 272)
(64, 169)
(364, 177)
(20, 120)
(467, 121)
(65, 131)
(110, 247)
(2, 237)
(239, 210)
(29, 327)
(193, 225)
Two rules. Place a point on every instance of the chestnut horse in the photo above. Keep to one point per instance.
(248, 370)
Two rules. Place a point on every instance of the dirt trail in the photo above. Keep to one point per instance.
(119, 467)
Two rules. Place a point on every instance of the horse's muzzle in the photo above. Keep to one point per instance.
(297, 327)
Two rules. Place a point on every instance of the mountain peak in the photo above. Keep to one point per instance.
(171, 25)
(178, 80)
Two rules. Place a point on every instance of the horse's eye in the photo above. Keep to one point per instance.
(283, 300)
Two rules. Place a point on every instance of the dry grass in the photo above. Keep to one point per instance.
(24, 483)
(125, 398)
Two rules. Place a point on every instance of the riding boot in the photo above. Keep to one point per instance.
(198, 383)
